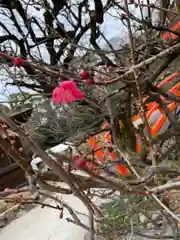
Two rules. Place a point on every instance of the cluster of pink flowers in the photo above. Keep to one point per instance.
(67, 92)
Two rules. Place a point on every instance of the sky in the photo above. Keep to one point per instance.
(112, 28)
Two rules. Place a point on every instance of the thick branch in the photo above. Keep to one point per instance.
(167, 52)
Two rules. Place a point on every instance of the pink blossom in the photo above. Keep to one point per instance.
(67, 92)
(56, 95)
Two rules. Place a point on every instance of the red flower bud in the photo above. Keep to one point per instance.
(84, 75)
(79, 162)
(90, 81)
(152, 5)
(61, 214)
(123, 16)
(18, 62)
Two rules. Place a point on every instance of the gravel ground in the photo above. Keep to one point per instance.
(44, 224)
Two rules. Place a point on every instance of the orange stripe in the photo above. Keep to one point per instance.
(176, 89)
(153, 106)
(168, 79)
(122, 170)
(167, 35)
(92, 141)
(155, 129)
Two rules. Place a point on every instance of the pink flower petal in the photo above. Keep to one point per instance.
(67, 85)
(67, 92)
(56, 95)
(68, 97)
(78, 94)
